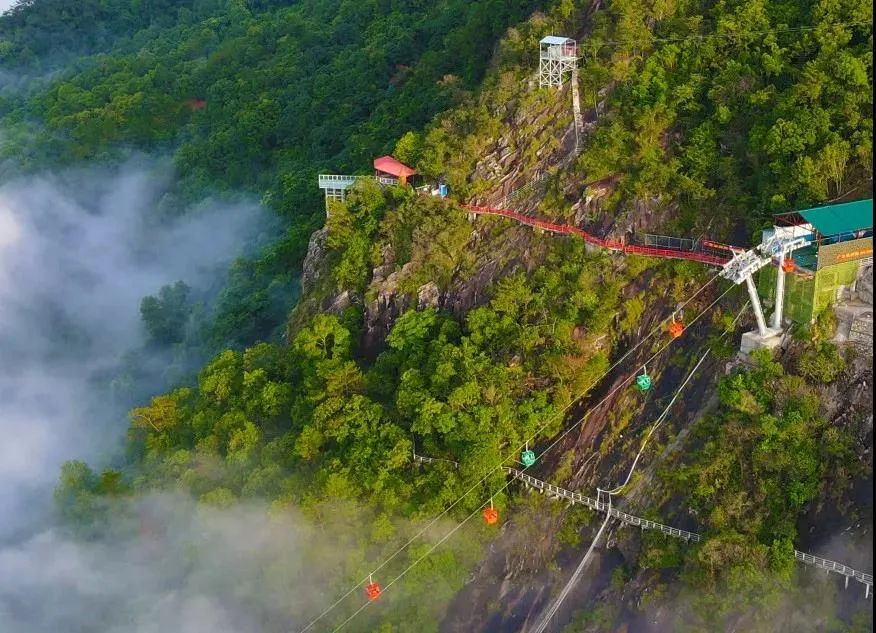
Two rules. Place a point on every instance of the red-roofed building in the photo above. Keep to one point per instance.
(390, 171)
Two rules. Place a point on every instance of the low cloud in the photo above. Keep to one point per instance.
(192, 569)
(78, 251)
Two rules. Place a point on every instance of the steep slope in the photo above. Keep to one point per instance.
(423, 329)
(524, 136)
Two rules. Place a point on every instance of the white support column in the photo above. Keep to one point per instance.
(780, 293)
(755, 304)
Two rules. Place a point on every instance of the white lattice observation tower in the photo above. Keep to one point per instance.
(558, 56)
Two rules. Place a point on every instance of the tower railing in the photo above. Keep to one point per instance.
(337, 181)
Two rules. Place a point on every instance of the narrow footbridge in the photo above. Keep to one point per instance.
(555, 492)
(703, 251)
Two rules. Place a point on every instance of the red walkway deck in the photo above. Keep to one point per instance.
(635, 249)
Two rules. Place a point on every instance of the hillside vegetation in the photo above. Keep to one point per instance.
(711, 116)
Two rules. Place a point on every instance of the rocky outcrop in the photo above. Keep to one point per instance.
(318, 292)
(313, 267)
(387, 264)
(428, 296)
(533, 139)
(382, 311)
(588, 208)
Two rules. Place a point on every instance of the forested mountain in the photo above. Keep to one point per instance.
(357, 333)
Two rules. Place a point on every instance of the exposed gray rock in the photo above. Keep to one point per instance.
(864, 285)
(312, 267)
(381, 313)
(340, 303)
(428, 296)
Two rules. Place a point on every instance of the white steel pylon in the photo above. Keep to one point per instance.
(745, 264)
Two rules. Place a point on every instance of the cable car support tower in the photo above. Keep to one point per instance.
(742, 267)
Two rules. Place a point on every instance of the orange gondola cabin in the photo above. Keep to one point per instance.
(372, 591)
(676, 329)
(491, 515)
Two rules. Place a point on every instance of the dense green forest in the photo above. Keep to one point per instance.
(737, 110)
(254, 97)
(715, 113)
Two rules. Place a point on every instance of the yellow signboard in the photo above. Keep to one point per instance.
(845, 252)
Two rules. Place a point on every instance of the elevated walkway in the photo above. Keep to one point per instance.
(335, 186)
(710, 253)
(336, 181)
(555, 492)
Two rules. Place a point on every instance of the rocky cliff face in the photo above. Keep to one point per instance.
(313, 268)
(535, 138)
(381, 312)
(499, 249)
(318, 293)
(530, 561)
(511, 586)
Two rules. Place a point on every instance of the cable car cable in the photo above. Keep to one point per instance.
(424, 556)
(510, 481)
(545, 621)
(627, 380)
(657, 423)
(662, 417)
(653, 331)
(573, 579)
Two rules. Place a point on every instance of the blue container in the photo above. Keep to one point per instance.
(442, 191)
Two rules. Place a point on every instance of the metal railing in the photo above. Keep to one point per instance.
(576, 497)
(538, 178)
(666, 241)
(615, 245)
(337, 181)
(556, 492)
(837, 568)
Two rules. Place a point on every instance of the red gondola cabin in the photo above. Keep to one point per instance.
(372, 591)
(491, 515)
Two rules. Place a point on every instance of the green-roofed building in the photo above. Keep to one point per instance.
(844, 219)
(839, 248)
